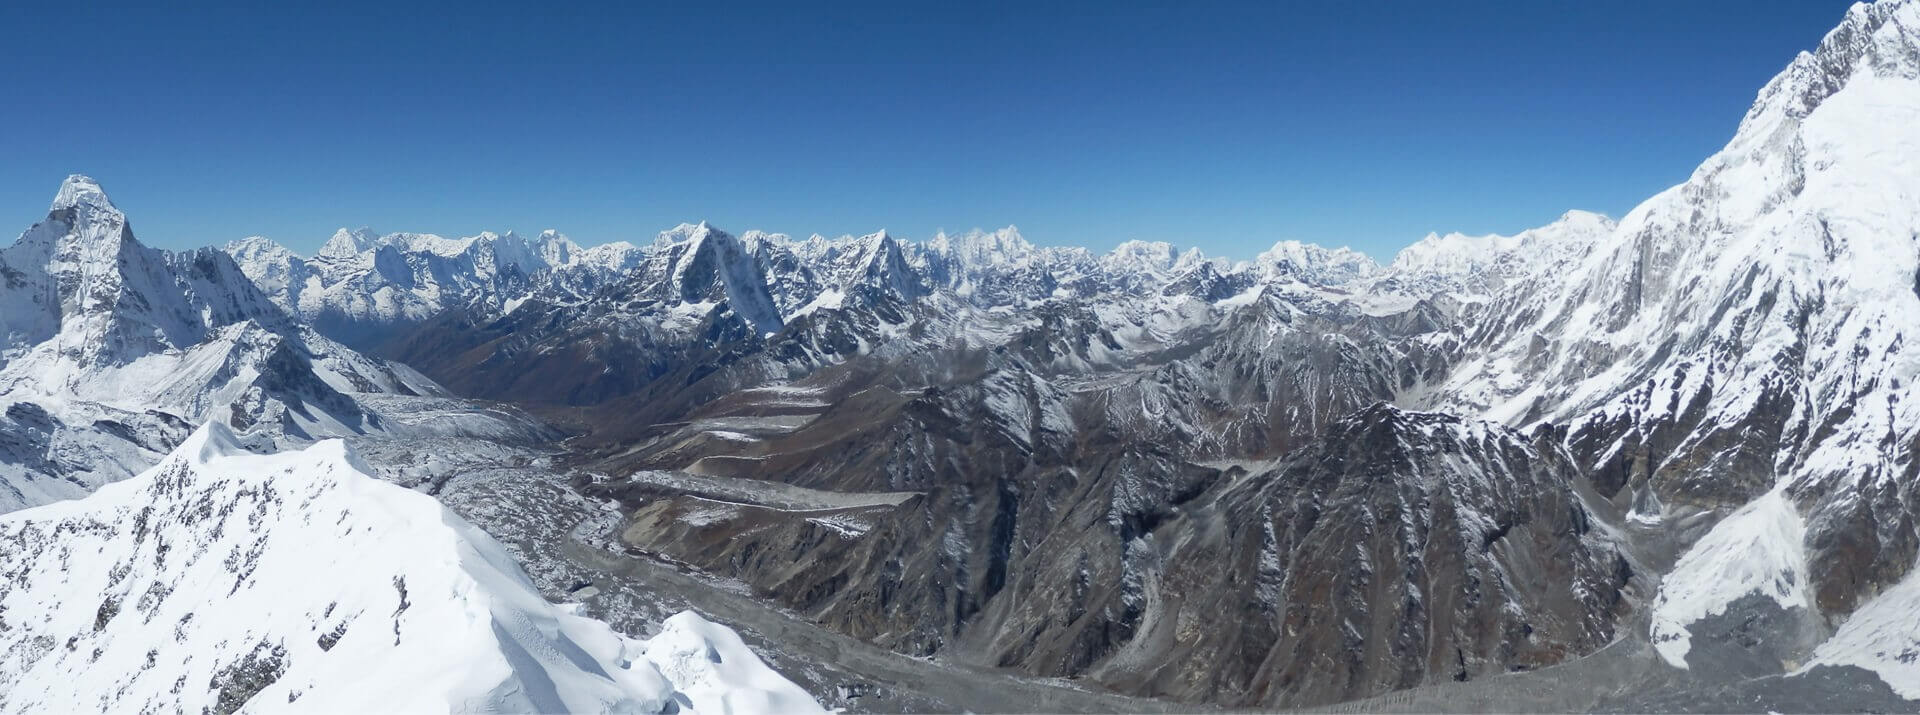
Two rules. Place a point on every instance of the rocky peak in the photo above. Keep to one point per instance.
(878, 264)
(1877, 37)
(1204, 281)
(706, 265)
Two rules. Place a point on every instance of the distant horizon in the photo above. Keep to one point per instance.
(1178, 248)
(1224, 127)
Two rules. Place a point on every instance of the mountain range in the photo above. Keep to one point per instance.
(1660, 463)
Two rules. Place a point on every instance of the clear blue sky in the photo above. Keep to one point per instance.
(1227, 126)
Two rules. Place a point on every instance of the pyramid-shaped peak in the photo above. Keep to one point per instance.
(688, 232)
(80, 190)
(346, 243)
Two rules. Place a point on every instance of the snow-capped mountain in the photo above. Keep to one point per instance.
(81, 281)
(1313, 265)
(989, 268)
(1145, 266)
(1738, 348)
(1672, 455)
(222, 580)
(362, 288)
(789, 267)
(1479, 266)
(694, 266)
(111, 346)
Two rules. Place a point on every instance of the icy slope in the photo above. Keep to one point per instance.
(221, 579)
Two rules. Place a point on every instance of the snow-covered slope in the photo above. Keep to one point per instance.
(1744, 343)
(1477, 266)
(221, 579)
(1312, 264)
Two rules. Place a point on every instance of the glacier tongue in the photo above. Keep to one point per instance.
(222, 578)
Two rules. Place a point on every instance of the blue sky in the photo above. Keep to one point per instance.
(1223, 125)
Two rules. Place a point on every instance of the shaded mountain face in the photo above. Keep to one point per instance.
(1397, 549)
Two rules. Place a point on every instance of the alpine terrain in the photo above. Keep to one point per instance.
(1660, 463)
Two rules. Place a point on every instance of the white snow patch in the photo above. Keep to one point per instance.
(1758, 549)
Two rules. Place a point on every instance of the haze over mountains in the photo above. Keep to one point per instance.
(1659, 463)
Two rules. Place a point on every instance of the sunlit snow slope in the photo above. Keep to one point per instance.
(222, 579)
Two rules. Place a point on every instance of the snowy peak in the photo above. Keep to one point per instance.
(977, 248)
(1878, 38)
(792, 280)
(1205, 282)
(1739, 348)
(1141, 257)
(363, 288)
(347, 244)
(681, 233)
(1143, 267)
(298, 580)
(1480, 265)
(878, 264)
(1314, 265)
(81, 276)
(90, 219)
(79, 191)
(555, 249)
(707, 265)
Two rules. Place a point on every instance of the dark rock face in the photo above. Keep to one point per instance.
(1399, 549)
(791, 282)
(239, 682)
(920, 569)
